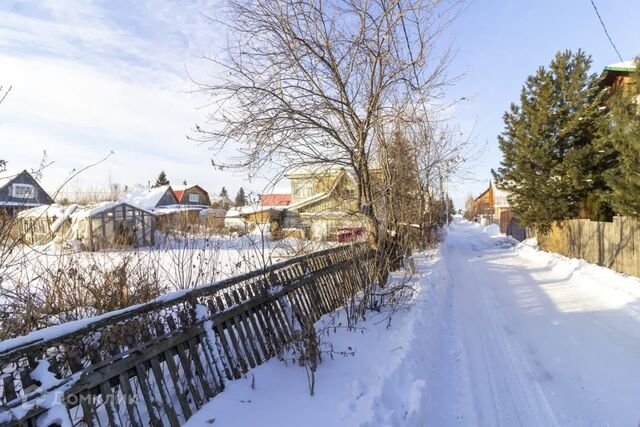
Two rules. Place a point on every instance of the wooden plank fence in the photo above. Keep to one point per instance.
(615, 245)
(157, 363)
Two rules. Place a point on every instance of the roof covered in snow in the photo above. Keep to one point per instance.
(48, 211)
(627, 66)
(145, 198)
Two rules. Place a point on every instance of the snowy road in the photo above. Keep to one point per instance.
(497, 335)
(533, 339)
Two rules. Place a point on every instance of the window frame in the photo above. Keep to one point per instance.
(194, 198)
(30, 194)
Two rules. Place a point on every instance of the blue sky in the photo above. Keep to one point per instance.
(500, 43)
(91, 77)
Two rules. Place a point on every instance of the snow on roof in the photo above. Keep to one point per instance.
(93, 209)
(629, 65)
(99, 208)
(164, 210)
(247, 210)
(500, 197)
(144, 198)
(48, 211)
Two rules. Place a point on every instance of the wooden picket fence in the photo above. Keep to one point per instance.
(157, 363)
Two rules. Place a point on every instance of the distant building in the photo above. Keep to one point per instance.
(275, 199)
(193, 195)
(150, 199)
(19, 191)
(324, 203)
(492, 205)
(618, 76)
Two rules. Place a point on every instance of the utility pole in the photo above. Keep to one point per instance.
(444, 200)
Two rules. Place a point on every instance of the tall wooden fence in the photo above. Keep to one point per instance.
(615, 245)
(157, 363)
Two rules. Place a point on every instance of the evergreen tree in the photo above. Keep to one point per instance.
(620, 133)
(550, 165)
(161, 180)
(241, 198)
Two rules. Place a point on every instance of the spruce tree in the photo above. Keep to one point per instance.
(161, 180)
(241, 199)
(620, 133)
(550, 165)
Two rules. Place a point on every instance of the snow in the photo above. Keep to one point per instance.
(545, 340)
(371, 379)
(181, 264)
(143, 197)
(628, 65)
(498, 334)
(46, 211)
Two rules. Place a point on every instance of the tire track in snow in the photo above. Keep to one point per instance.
(504, 385)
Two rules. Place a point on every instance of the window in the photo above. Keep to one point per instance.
(23, 191)
(303, 190)
(194, 198)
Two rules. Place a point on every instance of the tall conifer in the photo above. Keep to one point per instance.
(550, 164)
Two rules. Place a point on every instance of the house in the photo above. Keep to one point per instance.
(323, 203)
(492, 206)
(19, 191)
(275, 199)
(192, 195)
(618, 75)
(150, 199)
(249, 219)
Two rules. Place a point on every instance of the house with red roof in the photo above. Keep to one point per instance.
(192, 195)
(275, 200)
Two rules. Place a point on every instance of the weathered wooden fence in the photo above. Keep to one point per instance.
(612, 244)
(157, 363)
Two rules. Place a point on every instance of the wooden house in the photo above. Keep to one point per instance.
(618, 76)
(150, 199)
(324, 199)
(493, 206)
(20, 191)
(275, 199)
(192, 195)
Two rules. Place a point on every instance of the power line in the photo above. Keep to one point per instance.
(604, 27)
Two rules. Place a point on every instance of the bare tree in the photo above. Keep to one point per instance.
(307, 82)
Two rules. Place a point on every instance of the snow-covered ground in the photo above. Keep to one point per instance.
(376, 376)
(498, 334)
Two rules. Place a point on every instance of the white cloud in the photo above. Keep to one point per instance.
(89, 79)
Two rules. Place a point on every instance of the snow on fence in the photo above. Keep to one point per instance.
(157, 363)
(615, 245)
